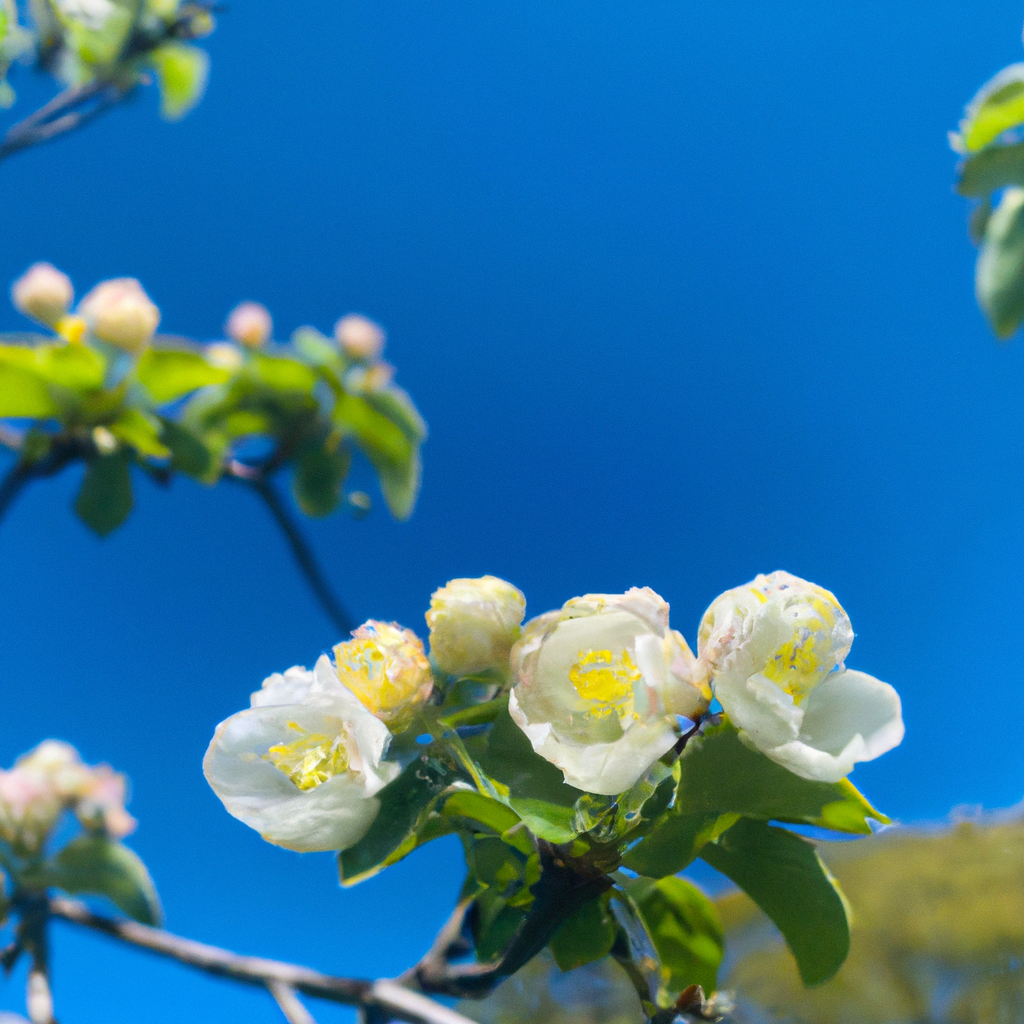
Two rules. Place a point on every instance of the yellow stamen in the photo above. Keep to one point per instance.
(310, 760)
(606, 679)
(71, 329)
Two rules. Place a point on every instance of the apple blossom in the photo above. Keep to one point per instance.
(598, 686)
(386, 667)
(474, 623)
(43, 293)
(774, 650)
(249, 324)
(120, 313)
(359, 337)
(302, 764)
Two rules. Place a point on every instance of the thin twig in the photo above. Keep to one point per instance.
(291, 1006)
(394, 1000)
(303, 554)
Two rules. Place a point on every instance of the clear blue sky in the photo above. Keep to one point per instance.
(684, 294)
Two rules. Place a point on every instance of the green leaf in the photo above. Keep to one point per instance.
(978, 221)
(282, 373)
(784, 876)
(997, 107)
(405, 804)
(105, 498)
(586, 936)
(168, 374)
(24, 393)
(181, 72)
(188, 454)
(76, 367)
(142, 432)
(92, 43)
(999, 273)
(319, 474)
(318, 350)
(991, 169)
(103, 867)
(395, 403)
(532, 787)
(401, 486)
(721, 776)
(683, 925)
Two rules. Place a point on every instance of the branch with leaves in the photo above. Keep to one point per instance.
(101, 51)
(105, 390)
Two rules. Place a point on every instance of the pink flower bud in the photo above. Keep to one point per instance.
(120, 313)
(249, 324)
(359, 337)
(43, 293)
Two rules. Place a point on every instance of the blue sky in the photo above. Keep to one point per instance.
(684, 294)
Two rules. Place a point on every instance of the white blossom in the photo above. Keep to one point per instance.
(120, 313)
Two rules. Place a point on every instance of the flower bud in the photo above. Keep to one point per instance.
(359, 337)
(386, 667)
(598, 685)
(774, 650)
(224, 356)
(474, 623)
(120, 313)
(249, 324)
(43, 293)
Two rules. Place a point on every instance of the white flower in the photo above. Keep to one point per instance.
(474, 623)
(302, 765)
(386, 667)
(120, 313)
(43, 293)
(249, 324)
(774, 649)
(359, 337)
(598, 686)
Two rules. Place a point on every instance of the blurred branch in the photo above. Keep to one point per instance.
(387, 999)
(291, 1006)
(67, 111)
(258, 479)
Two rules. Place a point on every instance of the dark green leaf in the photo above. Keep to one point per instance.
(532, 787)
(105, 498)
(319, 474)
(978, 221)
(684, 927)
(103, 867)
(675, 842)
(405, 804)
(992, 169)
(784, 876)
(586, 936)
(168, 374)
(142, 432)
(400, 485)
(999, 273)
(188, 454)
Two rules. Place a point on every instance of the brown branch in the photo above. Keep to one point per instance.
(392, 999)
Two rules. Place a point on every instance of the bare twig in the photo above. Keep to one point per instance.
(395, 1001)
(291, 1006)
(305, 559)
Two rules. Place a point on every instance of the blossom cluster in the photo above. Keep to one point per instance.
(602, 688)
(47, 782)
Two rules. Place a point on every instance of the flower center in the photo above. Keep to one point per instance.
(606, 679)
(311, 759)
(809, 655)
(361, 666)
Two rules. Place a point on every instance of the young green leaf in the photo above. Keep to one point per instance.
(782, 873)
(319, 474)
(999, 273)
(997, 107)
(181, 73)
(105, 498)
(684, 927)
(282, 373)
(142, 431)
(188, 454)
(586, 936)
(99, 866)
(168, 373)
(24, 393)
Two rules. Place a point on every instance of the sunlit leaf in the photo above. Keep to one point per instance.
(282, 373)
(999, 273)
(105, 498)
(142, 432)
(784, 876)
(181, 72)
(997, 107)
(24, 393)
(96, 33)
(169, 374)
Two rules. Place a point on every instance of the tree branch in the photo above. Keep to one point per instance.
(392, 999)
(291, 1006)
(303, 554)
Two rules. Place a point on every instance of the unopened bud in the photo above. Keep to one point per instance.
(359, 337)
(120, 313)
(367, 379)
(38, 1000)
(106, 443)
(249, 324)
(224, 356)
(43, 293)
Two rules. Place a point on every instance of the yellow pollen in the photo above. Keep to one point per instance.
(606, 679)
(71, 328)
(310, 760)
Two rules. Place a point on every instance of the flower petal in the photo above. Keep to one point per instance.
(289, 687)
